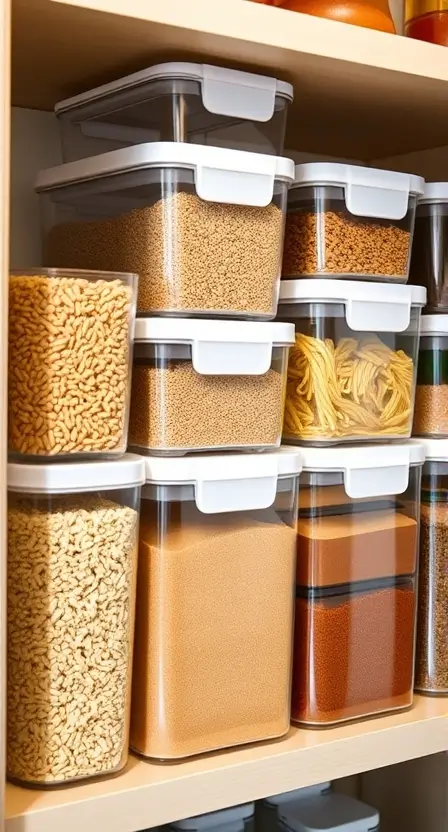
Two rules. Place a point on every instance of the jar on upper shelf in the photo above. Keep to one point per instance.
(371, 14)
(427, 20)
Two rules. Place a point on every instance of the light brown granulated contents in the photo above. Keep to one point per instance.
(71, 585)
(68, 365)
(176, 407)
(331, 242)
(190, 255)
(213, 632)
(431, 667)
(431, 409)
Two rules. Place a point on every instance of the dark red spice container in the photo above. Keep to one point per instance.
(355, 621)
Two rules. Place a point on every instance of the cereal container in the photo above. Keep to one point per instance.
(215, 602)
(70, 360)
(431, 396)
(181, 102)
(72, 563)
(202, 385)
(349, 221)
(237, 819)
(352, 370)
(357, 545)
(331, 812)
(202, 226)
(429, 261)
(431, 669)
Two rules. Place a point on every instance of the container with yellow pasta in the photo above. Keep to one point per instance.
(351, 374)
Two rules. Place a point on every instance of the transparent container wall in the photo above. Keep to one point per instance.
(170, 110)
(70, 361)
(431, 395)
(214, 623)
(344, 385)
(343, 540)
(323, 239)
(72, 563)
(429, 261)
(175, 410)
(431, 669)
(193, 257)
(354, 651)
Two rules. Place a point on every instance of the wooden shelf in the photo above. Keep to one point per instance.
(359, 93)
(149, 794)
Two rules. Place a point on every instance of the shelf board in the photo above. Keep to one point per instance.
(359, 93)
(149, 794)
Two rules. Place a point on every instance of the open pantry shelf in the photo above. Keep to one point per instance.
(149, 794)
(358, 93)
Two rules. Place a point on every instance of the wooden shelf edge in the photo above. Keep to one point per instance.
(149, 794)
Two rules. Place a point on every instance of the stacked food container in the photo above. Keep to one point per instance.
(429, 269)
(186, 190)
(349, 404)
(314, 809)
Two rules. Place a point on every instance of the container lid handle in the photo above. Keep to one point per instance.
(377, 193)
(236, 94)
(227, 358)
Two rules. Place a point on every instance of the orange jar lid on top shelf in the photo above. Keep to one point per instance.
(372, 14)
(427, 20)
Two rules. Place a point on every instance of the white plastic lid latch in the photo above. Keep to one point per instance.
(235, 187)
(376, 481)
(377, 193)
(219, 358)
(222, 491)
(229, 92)
(378, 316)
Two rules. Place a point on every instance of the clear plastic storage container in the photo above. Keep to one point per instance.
(429, 261)
(202, 226)
(330, 812)
(70, 361)
(431, 396)
(72, 564)
(208, 385)
(357, 544)
(237, 819)
(268, 811)
(349, 221)
(352, 370)
(431, 669)
(180, 102)
(215, 602)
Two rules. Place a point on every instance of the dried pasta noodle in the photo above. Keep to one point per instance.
(357, 388)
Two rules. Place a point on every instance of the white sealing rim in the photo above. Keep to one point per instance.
(379, 307)
(434, 192)
(369, 192)
(223, 175)
(225, 816)
(219, 347)
(227, 92)
(71, 477)
(436, 450)
(370, 470)
(227, 482)
(330, 813)
(434, 325)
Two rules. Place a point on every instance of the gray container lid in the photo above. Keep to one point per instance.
(328, 812)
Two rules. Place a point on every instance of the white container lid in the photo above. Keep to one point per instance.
(226, 92)
(434, 192)
(436, 450)
(225, 816)
(369, 470)
(330, 812)
(369, 192)
(223, 175)
(434, 325)
(382, 307)
(71, 477)
(219, 347)
(298, 794)
(227, 482)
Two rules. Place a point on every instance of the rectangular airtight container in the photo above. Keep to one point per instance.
(431, 397)
(202, 226)
(429, 261)
(431, 668)
(237, 819)
(180, 102)
(350, 221)
(352, 370)
(357, 548)
(215, 602)
(202, 385)
(331, 812)
(70, 361)
(72, 565)
(268, 810)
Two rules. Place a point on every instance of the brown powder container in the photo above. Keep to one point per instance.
(355, 591)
